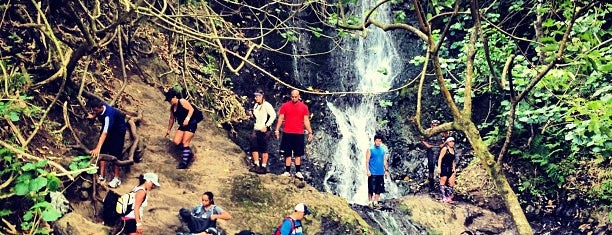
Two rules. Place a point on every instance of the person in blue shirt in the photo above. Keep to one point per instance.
(203, 216)
(112, 136)
(292, 224)
(377, 168)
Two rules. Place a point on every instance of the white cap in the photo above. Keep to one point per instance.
(449, 139)
(301, 207)
(151, 177)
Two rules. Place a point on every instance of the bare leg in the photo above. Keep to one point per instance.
(255, 158)
(264, 159)
(102, 168)
(117, 170)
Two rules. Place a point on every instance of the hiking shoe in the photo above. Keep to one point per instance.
(262, 170)
(299, 175)
(371, 204)
(182, 165)
(101, 179)
(376, 205)
(286, 174)
(114, 183)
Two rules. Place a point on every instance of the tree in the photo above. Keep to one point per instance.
(479, 64)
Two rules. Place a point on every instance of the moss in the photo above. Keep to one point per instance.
(248, 191)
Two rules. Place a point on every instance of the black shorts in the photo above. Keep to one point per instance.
(376, 184)
(130, 226)
(192, 126)
(113, 144)
(293, 142)
(259, 141)
(446, 171)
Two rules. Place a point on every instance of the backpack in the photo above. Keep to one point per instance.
(115, 206)
(278, 231)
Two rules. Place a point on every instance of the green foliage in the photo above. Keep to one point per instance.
(290, 36)
(32, 183)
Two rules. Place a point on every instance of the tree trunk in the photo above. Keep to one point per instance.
(495, 171)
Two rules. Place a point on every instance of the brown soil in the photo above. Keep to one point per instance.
(217, 161)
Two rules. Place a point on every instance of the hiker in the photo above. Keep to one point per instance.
(432, 146)
(182, 112)
(133, 221)
(264, 117)
(112, 137)
(377, 168)
(447, 169)
(292, 224)
(294, 113)
(203, 216)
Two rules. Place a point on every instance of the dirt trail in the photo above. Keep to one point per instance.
(217, 159)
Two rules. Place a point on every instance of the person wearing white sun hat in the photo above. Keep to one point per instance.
(133, 220)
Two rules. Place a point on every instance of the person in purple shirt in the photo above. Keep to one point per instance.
(112, 136)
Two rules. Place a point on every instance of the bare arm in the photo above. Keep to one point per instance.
(281, 118)
(139, 198)
(368, 162)
(189, 108)
(308, 128)
(224, 216)
(170, 122)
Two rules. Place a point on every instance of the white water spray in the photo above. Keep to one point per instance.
(375, 61)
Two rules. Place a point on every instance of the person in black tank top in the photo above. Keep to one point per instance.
(447, 170)
(182, 112)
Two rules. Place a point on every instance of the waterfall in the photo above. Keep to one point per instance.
(375, 62)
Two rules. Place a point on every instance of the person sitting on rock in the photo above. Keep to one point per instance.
(447, 170)
(203, 216)
(112, 136)
(264, 117)
(181, 111)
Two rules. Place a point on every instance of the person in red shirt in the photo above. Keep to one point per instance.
(295, 114)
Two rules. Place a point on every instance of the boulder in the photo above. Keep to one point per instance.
(73, 223)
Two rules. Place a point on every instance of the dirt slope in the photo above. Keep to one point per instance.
(218, 161)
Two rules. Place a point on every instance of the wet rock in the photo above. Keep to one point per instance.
(73, 223)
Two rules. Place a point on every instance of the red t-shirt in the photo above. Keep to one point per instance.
(294, 116)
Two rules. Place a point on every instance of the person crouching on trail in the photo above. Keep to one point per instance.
(264, 117)
(447, 170)
(377, 168)
(181, 111)
(112, 136)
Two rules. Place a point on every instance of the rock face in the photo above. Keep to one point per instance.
(73, 223)
(441, 218)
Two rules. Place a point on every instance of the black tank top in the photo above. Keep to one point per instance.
(181, 113)
(448, 158)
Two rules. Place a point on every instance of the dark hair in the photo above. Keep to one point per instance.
(94, 103)
(141, 179)
(378, 136)
(172, 93)
(211, 197)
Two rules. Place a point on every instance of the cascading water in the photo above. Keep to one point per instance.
(375, 61)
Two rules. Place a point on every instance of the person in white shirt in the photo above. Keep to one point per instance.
(264, 117)
(133, 220)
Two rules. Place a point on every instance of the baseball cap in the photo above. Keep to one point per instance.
(211, 230)
(449, 139)
(169, 94)
(301, 207)
(152, 177)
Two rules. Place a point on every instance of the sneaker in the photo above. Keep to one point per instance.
(371, 204)
(262, 170)
(376, 205)
(114, 183)
(182, 165)
(286, 174)
(299, 175)
(101, 179)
